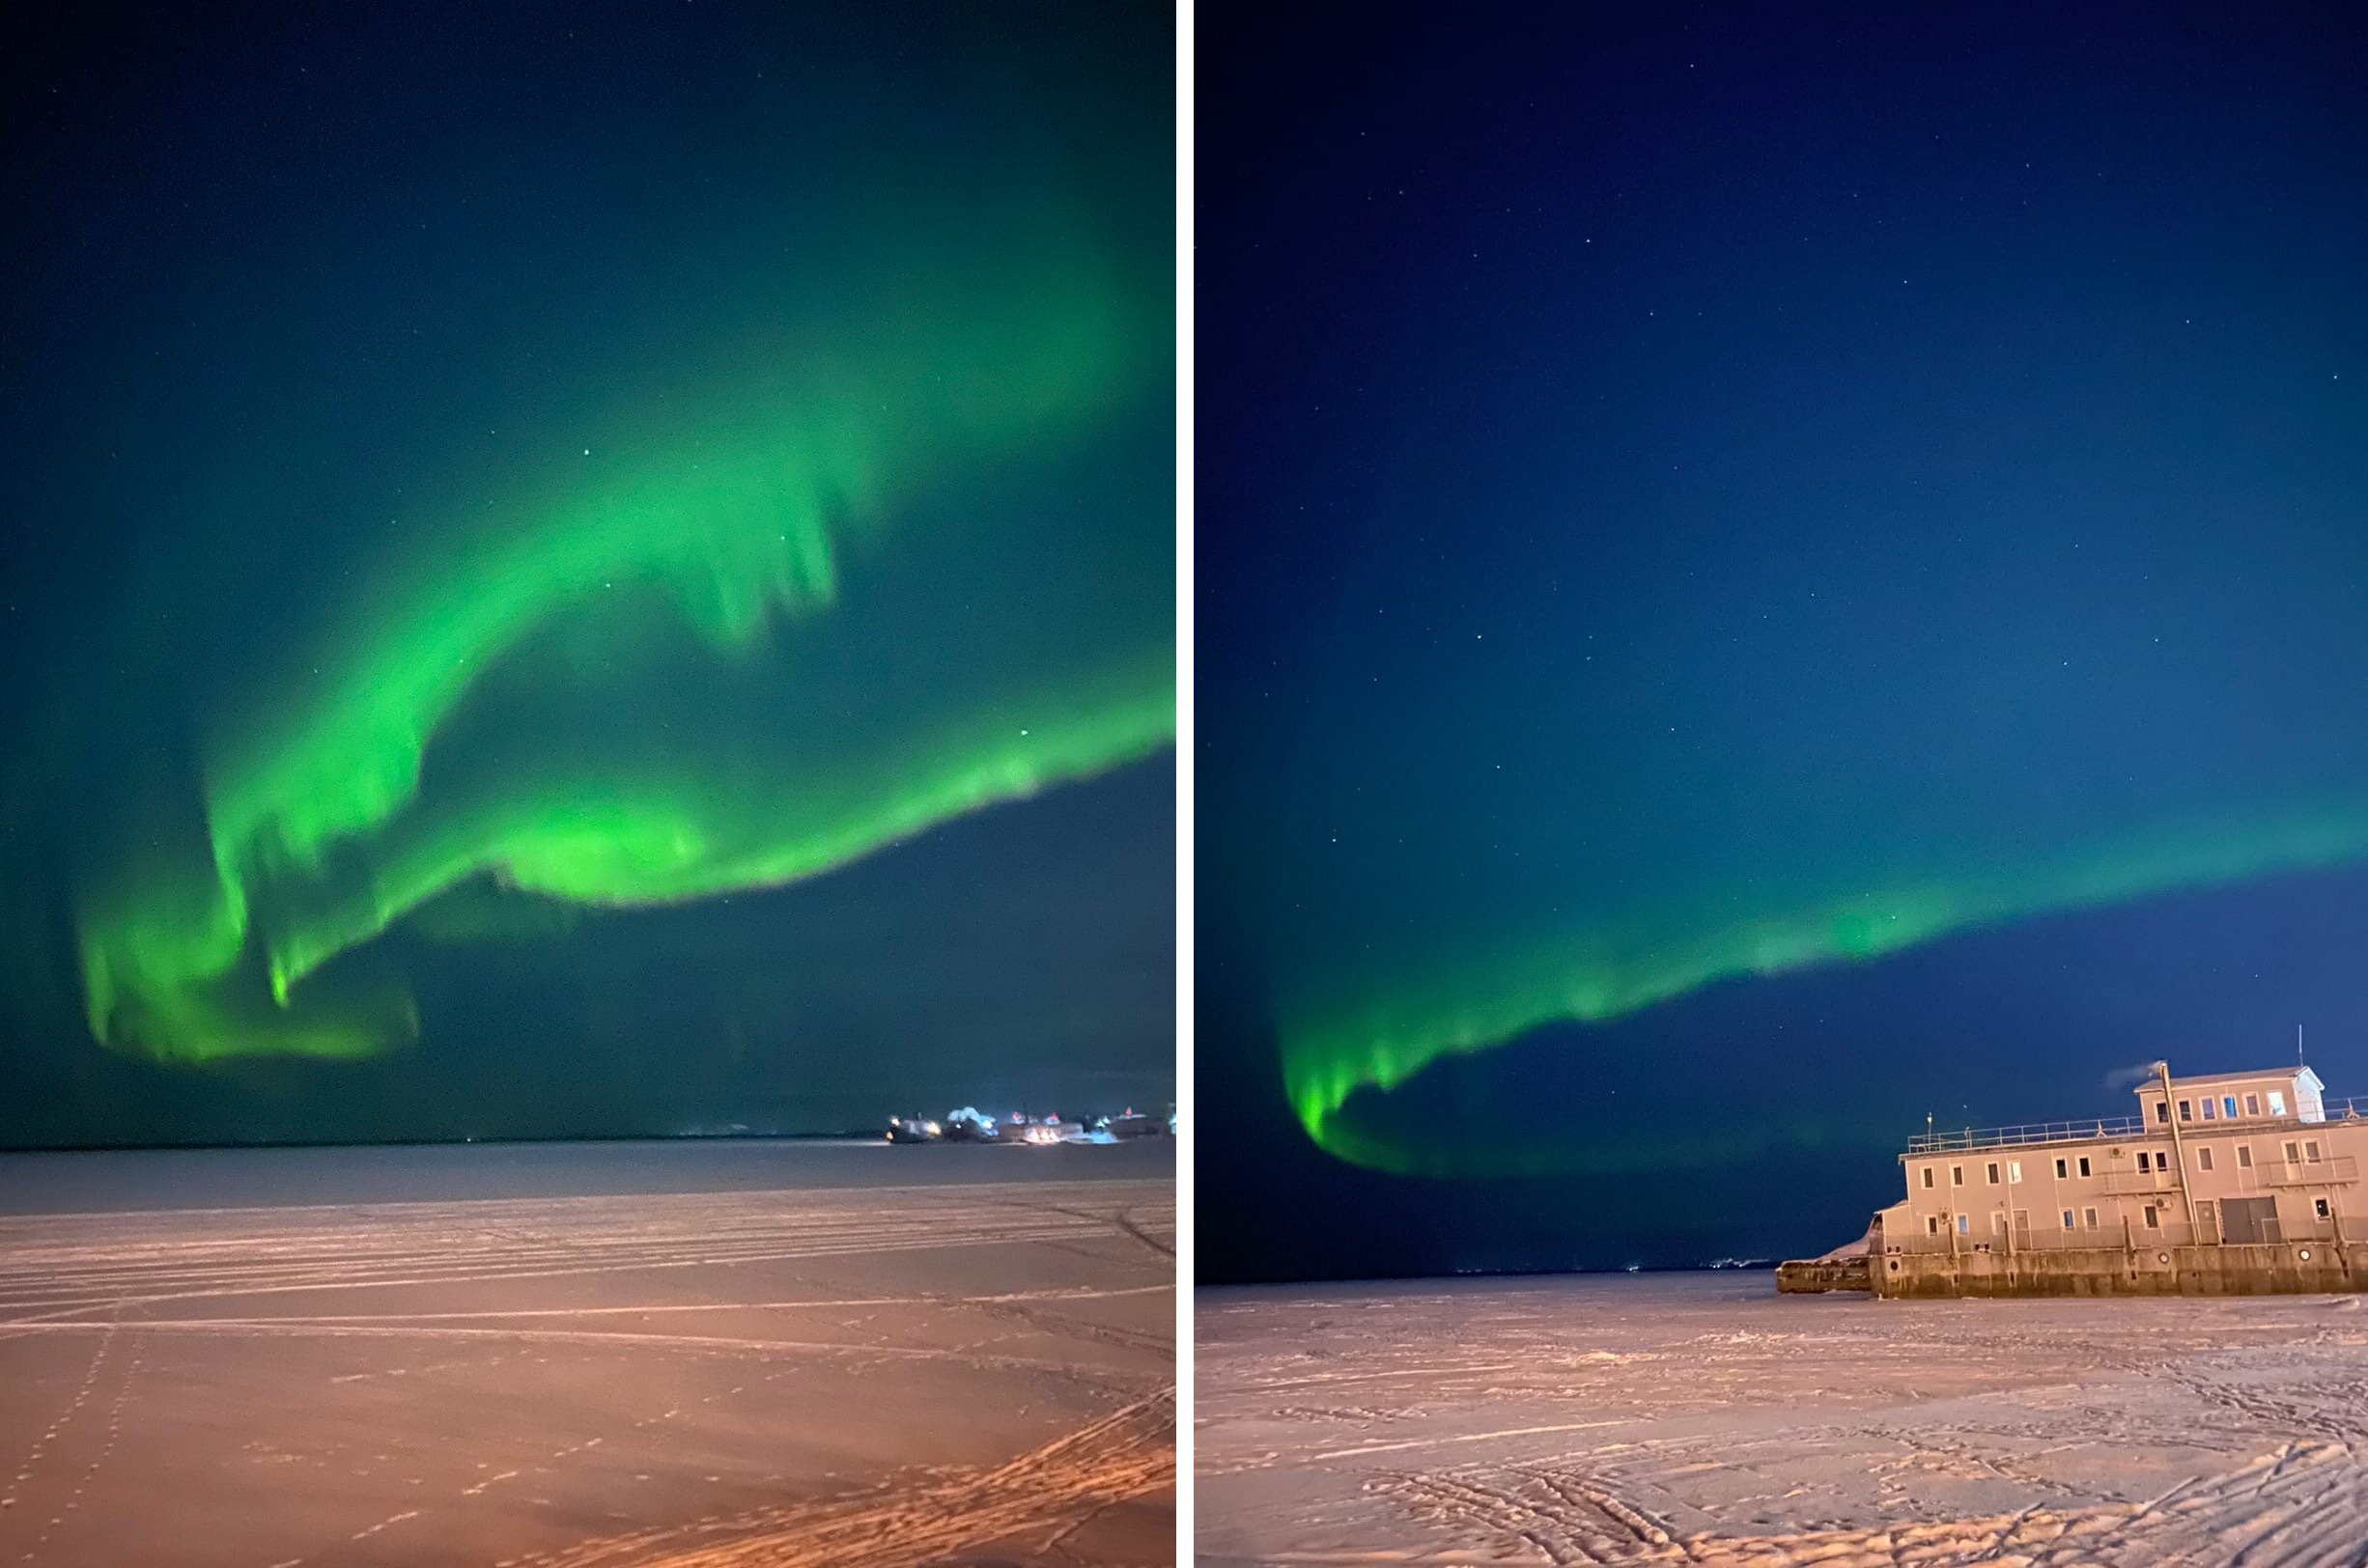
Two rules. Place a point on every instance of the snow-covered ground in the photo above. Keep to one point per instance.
(1703, 1418)
(587, 1357)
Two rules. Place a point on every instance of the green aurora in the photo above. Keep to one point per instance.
(1346, 1047)
(848, 649)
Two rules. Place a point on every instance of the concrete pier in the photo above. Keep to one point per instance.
(2223, 1269)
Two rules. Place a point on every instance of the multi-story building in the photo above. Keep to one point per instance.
(2234, 1182)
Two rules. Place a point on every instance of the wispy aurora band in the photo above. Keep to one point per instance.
(1333, 1055)
(317, 837)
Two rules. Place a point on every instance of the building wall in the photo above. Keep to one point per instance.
(2122, 1191)
(2238, 1097)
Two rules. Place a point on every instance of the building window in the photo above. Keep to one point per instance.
(1957, 1175)
(2186, 1110)
(1964, 1224)
(2253, 1105)
(2210, 1112)
(1928, 1178)
(2321, 1204)
(2228, 1106)
(2060, 1171)
(2154, 1218)
(2244, 1156)
(2203, 1159)
(2278, 1103)
(1932, 1224)
(1993, 1173)
(2089, 1215)
(2067, 1219)
(2084, 1165)
(2310, 1151)
(2294, 1153)
(2163, 1110)
(2145, 1162)
(1997, 1222)
(2014, 1170)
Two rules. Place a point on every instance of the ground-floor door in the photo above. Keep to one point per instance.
(2248, 1220)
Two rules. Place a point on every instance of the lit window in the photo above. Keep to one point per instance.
(1993, 1173)
(2090, 1216)
(2228, 1106)
(2060, 1171)
(1964, 1224)
(2067, 1219)
(2245, 1156)
(2186, 1110)
(2253, 1105)
(2154, 1218)
(2203, 1159)
(1928, 1176)
(2278, 1103)
(2014, 1170)
(2084, 1165)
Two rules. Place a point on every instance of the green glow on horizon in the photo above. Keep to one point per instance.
(319, 836)
(1337, 1052)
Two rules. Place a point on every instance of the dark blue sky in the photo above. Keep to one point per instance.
(583, 570)
(1761, 574)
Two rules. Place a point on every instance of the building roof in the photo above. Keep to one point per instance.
(2112, 1129)
(2179, 1082)
(1939, 1140)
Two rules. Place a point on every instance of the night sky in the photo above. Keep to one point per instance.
(584, 569)
(1760, 575)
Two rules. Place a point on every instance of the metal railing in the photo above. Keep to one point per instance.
(2334, 1172)
(2049, 1237)
(2107, 1237)
(2086, 1130)
(2091, 1129)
